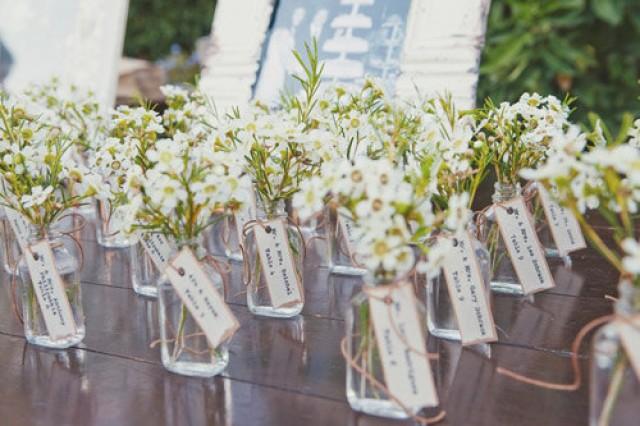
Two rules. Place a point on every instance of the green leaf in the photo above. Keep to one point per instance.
(610, 11)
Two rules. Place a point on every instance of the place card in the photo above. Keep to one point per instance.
(158, 248)
(20, 227)
(564, 226)
(204, 303)
(246, 213)
(347, 229)
(467, 292)
(50, 292)
(630, 336)
(401, 343)
(278, 264)
(523, 246)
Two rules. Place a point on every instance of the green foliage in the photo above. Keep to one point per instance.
(154, 25)
(588, 48)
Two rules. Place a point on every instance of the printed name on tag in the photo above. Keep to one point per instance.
(204, 303)
(467, 292)
(523, 246)
(564, 226)
(278, 264)
(630, 336)
(245, 214)
(398, 330)
(50, 291)
(158, 248)
(20, 227)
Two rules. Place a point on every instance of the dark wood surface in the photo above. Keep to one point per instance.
(288, 372)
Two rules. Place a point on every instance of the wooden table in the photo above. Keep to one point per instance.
(288, 372)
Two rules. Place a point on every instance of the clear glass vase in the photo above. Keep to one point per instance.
(542, 226)
(614, 385)
(259, 298)
(10, 247)
(109, 232)
(144, 273)
(363, 350)
(315, 233)
(231, 239)
(67, 267)
(184, 348)
(441, 317)
(340, 254)
(503, 274)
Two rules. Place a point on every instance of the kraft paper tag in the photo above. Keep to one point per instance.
(49, 290)
(467, 292)
(246, 213)
(158, 248)
(565, 228)
(204, 303)
(401, 343)
(630, 336)
(523, 246)
(347, 229)
(20, 227)
(278, 264)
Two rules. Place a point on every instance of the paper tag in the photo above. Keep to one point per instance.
(20, 227)
(246, 213)
(565, 228)
(525, 250)
(398, 330)
(278, 264)
(467, 292)
(347, 229)
(204, 303)
(158, 248)
(630, 336)
(50, 291)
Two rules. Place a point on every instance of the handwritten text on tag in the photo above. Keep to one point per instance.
(158, 248)
(20, 227)
(467, 292)
(278, 263)
(398, 329)
(525, 250)
(50, 291)
(204, 303)
(565, 228)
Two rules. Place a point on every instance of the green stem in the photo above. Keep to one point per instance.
(615, 387)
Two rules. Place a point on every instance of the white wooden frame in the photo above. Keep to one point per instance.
(441, 50)
(83, 49)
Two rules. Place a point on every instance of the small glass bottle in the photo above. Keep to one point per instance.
(314, 231)
(441, 317)
(144, 273)
(504, 278)
(340, 256)
(67, 266)
(258, 298)
(614, 385)
(362, 349)
(184, 348)
(10, 247)
(108, 231)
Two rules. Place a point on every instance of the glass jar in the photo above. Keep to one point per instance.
(542, 226)
(259, 299)
(109, 232)
(362, 349)
(614, 388)
(144, 273)
(10, 247)
(67, 267)
(503, 275)
(184, 348)
(231, 239)
(441, 317)
(341, 258)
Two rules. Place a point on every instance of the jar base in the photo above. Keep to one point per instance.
(146, 290)
(234, 256)
(346, 270)
(376, 407)
(553, 253)
(270, 311)
(444, 333)
(124, 243)
(196, 369)
(505, 287)
(47, 342)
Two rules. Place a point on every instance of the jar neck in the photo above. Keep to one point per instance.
(39, 233)
(268, 209)
(628, 302)
(503, 192)
(196, 245)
